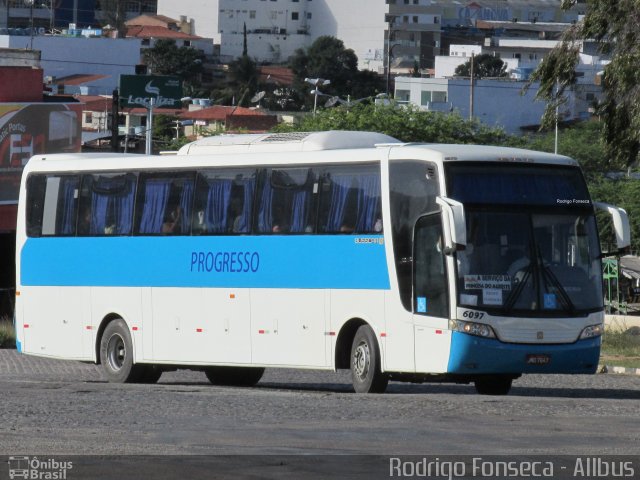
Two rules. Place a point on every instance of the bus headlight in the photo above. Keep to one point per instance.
(472, 328)
(592, 331)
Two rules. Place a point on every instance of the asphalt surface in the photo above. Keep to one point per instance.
(66, 408)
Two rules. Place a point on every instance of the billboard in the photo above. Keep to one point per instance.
(138, 90)
(28, 129)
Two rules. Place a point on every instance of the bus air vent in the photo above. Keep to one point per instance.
(286, 137)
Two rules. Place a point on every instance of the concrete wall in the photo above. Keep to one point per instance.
(497, 103)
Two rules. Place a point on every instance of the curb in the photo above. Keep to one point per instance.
(618, 370)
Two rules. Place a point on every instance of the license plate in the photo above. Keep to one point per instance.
(538, 359)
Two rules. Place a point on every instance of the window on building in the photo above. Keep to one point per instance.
(273, 15)
(516, 55)
(88, 117)
(425, 97)
(252, 14)
(309, 15)
(403, 95)
(405, 19)
(294, 15)
(533, 56)
(415, 19)
(438, 96)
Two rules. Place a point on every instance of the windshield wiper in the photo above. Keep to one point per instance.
(515, 293)
(551, 278)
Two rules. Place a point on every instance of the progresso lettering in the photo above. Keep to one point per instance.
(233, 262)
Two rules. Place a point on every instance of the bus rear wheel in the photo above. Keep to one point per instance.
(116, 354)
(493, 385)
(366, 374)
(234, 376)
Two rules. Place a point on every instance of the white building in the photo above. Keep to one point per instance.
(276, 28)
(106, 58)
(497, 103)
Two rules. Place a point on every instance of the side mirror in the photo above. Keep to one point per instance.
(620, 223)
(455, 228)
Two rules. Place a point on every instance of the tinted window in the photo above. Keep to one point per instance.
(52, 205)
(224, 201)
(106, 204)
(164, 203)
(286, 201)
(413, 190)
(431, 297)
(500, 183)
(351, 200)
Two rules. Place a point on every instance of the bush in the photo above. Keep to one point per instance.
(7, 334)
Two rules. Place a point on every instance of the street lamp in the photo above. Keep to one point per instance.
(29, 3)
(390, 31)
(316, 82)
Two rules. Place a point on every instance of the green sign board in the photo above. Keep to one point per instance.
(139, 90)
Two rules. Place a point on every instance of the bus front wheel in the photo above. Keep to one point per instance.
(116, 354)
(234, 376)
(493, 385)
(366, 374)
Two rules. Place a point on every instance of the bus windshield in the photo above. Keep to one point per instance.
(532, 244)
(524, 262)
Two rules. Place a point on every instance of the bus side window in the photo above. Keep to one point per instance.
(36, 186)
(164, 203)
(351, 200)
(286, 201)
(224, 201)
(106, 204)
(53, 203)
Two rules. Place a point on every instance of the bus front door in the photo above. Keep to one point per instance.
(430, 296)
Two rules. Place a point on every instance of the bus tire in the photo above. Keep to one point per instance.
(493, 385)
(366, 374)
(234, 376)
(116, 354)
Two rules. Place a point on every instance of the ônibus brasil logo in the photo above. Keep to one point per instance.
(159, 100)
(34, 468)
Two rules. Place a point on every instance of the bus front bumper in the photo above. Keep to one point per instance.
(476, 355)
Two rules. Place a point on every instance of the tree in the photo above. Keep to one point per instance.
(114, 15)
(613, 26)
(407, 123)
(166, 58)
(328, 58)
(484, 66)
(243, 76)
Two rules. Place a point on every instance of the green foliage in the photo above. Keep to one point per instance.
(327, 58)
(583, 142)
(484, 66)
(166, 58)
(243, 76)
(613, 26)
(406, 123)
(7, 334)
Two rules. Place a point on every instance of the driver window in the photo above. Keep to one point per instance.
(430, 293)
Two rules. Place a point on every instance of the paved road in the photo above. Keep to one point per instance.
(65, 408)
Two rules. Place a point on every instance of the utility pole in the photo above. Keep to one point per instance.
(115, 143)
(471, 89)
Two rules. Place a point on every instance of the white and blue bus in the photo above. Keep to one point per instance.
(327, 250)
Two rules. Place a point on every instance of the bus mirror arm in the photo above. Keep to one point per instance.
(455, 225)
(620, 223)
